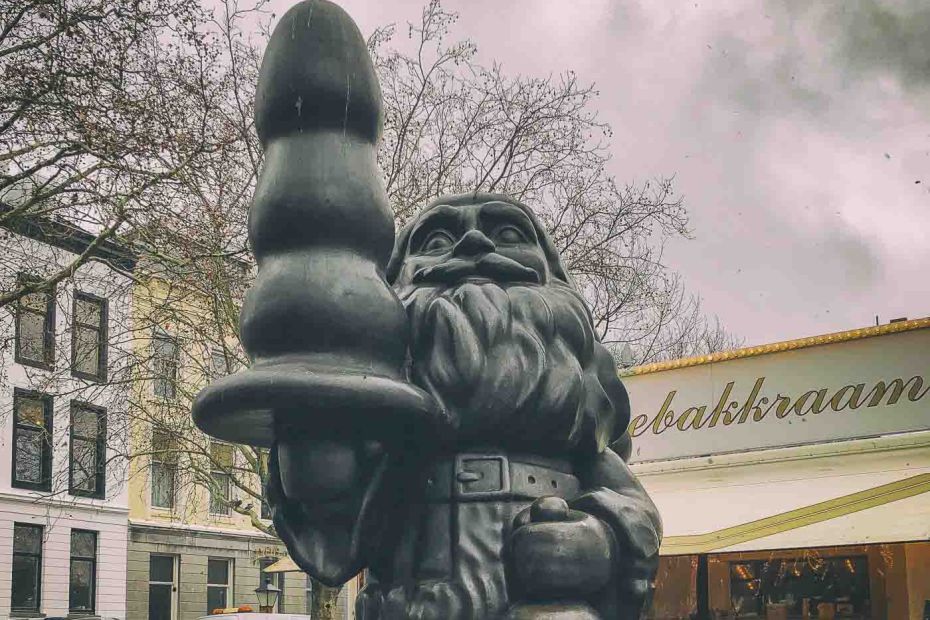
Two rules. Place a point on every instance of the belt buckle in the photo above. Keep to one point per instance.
(481, 476)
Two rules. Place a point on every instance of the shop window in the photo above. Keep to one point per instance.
(809, 586)
(221, 463)
(32, 440)
(83, 575)
(165, 361)
(163, 587)
(26, 584)
(87, 460)
(164, 469)
(89, 337)
(35, 328)
(219, 583)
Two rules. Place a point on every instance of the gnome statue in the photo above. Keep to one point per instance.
(438, 407)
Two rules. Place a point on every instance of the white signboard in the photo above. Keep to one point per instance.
(858, 388)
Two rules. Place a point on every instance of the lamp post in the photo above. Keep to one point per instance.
(267, 594)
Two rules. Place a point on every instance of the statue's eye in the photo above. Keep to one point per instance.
(437, 242)
(509, 234)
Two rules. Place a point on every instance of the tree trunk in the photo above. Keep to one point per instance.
(323, 603)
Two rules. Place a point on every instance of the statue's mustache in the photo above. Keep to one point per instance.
(492, 266)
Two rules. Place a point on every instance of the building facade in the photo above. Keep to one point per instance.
(200, 536)
(63, 495)
(793, 479)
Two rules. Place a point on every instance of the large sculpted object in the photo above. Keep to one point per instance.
(438, 407)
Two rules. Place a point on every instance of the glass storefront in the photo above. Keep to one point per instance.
(874, 582)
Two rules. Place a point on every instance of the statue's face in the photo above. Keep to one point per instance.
(500, 340)
(487, 242)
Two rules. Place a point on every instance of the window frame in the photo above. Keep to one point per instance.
(48, 413)
(102, 330)
(38, 557)
(276, 578)
(171, 383)
(93, 572)
(174, 583)
(100, 485)
(164, 463)
(228, 586)
(48, 327)
(215, 471)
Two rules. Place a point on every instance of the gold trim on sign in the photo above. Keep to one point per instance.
(776, 347)
(808, 515)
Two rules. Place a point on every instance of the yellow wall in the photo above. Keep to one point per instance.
(192, 503)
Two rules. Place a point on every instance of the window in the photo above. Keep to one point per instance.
(87, 463)
(309, 597)
(219, 583)
(32, 440)
(83, 578)
(27, 567)
(165, 365)
(89, 337)
(274, 578)
(35, 328)
(263, 463)
(164, 469)
(218, 366)
(163, 587)
(221, 463)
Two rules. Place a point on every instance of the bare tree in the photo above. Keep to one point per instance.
(104, 104)
(133, 120)
(453, 125)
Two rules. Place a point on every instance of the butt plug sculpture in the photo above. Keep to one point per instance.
(508, 501)
(326, 335)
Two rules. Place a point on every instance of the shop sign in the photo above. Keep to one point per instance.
(829, 392)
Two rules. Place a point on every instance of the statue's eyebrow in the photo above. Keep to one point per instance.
(441, 216)
(496, 212)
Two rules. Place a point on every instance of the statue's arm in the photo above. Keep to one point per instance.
(613, 495)
(330, 505)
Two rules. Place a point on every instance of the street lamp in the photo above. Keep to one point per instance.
(267, 594)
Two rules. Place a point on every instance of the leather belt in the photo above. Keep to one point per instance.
(492, 476)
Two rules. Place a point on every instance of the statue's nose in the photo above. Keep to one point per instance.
(472, 243)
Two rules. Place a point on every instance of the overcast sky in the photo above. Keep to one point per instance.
(798, 134)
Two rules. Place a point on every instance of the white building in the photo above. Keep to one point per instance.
(63, 496)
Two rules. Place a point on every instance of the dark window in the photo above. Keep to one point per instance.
(27, 567)
(89, 337)
(165, 365)
(35, 328)
(273, 578)
(87, 466)
(840, 580)
(162, 586)
(309, 598)
(221, 463)
(219, 584)
(83, 578)
(263, 465)
(32, 440)
(164, 469)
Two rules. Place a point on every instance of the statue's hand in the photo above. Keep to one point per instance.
(557, 553)
(326, 476)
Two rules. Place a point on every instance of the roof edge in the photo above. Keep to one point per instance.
(778, 347)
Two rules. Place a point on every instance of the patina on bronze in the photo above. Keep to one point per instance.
(441, 414)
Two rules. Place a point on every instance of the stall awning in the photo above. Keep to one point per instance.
(855, 493)
(284, 565)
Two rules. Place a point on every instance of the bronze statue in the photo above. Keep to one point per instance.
(442, 414)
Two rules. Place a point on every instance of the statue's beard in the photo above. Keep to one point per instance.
(513, 363)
